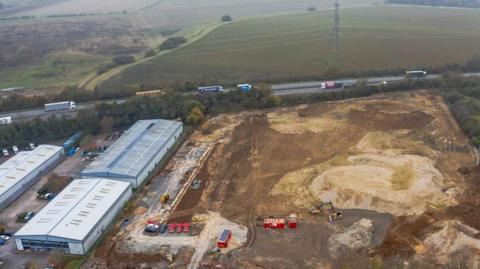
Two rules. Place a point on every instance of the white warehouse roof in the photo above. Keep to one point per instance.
(22, 164)
(134, 150)
(75, 211)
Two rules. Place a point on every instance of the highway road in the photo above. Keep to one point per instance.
(25, 115)
(278, 89)
(315, 86)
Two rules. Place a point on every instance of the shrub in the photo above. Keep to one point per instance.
(226, 18)
(150, 53)
(124, 59)
(173, 42)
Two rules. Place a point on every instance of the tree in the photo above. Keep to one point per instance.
(226, 18)
(195, 116)
(172, 42)
(124, 59)
(150, 53)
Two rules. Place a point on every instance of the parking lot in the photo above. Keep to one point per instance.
(28, 202)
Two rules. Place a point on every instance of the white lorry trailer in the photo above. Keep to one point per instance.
(59, 106)
(5, 120)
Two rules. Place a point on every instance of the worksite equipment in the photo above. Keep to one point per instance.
(271, 223)
(224, 238)
(327, 209)
(336, 215)
(322, 208)
(164, 198)
(292, 221)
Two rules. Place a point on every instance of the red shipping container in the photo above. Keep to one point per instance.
(274, 224)
(223, 239)
(179, 227)
(171, 227)
(186, 228)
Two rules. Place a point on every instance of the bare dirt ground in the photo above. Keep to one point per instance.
(398, 162)
(399, 155)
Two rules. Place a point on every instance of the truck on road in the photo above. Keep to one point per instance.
(210, 89)
(59, 106)
(244, 87)
(5, 120)
(416, 74)
(331, 85)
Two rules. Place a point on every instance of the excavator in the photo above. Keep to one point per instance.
(327, 209)
(164, 198)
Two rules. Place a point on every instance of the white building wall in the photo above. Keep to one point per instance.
(19, 244)
(76, 248)
(158, 157)
(106, 220)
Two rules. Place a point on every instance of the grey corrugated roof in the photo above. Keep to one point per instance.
(134, 149)
(24, 163)
(75, 211)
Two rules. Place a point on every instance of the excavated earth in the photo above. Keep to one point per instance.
(392, 159)
(398, 161)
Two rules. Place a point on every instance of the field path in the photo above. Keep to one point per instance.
(92, 80)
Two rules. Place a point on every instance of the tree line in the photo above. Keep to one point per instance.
(462, 94)
(191, 109)
(72, 93)
(446, 3)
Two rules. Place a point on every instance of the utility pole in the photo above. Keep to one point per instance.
(335, 42)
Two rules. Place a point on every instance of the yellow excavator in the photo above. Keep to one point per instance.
(164, 198)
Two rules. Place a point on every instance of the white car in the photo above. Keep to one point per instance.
(32, 146)
(5, 152)
(15, 149)
(5, 237)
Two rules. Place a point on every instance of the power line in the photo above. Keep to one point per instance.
(335, 40)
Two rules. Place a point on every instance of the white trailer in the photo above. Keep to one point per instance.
(5, 120)
(59, 106)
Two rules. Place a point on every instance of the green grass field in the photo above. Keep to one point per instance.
(55, 71)
(296, 46)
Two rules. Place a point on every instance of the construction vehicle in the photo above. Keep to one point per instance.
(327, 209)
(323, 208)
(336, 215)
(152, 227)
(164, 198)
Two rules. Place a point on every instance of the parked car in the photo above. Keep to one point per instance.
(5, 152)
(32, 146)
(5, 237)
(25, 216)
(15, 149)
(2, 242)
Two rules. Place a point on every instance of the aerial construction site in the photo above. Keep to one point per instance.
(314, 186)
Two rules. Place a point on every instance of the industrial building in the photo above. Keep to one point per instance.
(137, 152)
(76, 218)
(24, 169)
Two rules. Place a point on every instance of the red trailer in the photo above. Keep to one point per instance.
(274, 224)
(222, 241)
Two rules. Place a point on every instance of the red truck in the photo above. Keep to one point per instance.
(331, 85)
